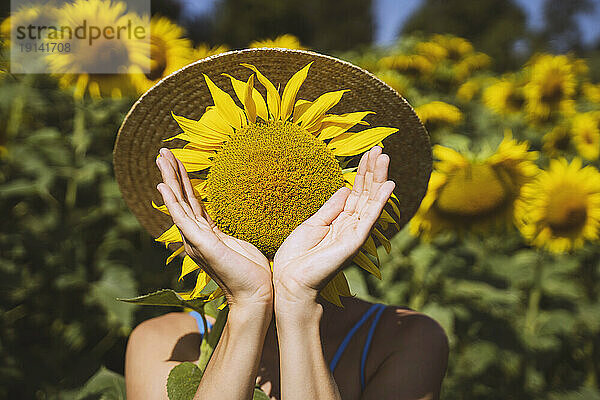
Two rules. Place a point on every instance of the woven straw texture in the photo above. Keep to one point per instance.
(185, 93)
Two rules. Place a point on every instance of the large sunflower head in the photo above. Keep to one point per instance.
(268, 149)
(471, 193)
(560, 210)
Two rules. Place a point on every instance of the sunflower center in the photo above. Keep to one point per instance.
(267, 180)
(553, 90)
(567, 212)
(473, 191)
(158, 58)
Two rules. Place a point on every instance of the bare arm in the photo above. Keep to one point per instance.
(313, 253)
(240, 270)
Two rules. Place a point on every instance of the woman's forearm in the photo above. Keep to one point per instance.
(231, 372)
(304, 371)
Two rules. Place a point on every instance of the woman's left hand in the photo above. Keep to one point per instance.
(317, 249)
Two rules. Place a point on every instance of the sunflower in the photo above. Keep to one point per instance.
(36, 15)
(470, 194)
(438, 113)
(293, 150)
(124, 54)
(203, 50)
(470, 64)
(169, 51)
(504, 97)
(551, 86)
(558, 141)
(591, 92)
(585, 129)
(413, 64)
(397, 81)
(286, 41)
(560, 210)
(456, 47)
(468, 90)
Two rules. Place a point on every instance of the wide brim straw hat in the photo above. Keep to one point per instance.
(185, 93)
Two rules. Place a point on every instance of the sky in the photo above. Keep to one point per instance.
(388, 23)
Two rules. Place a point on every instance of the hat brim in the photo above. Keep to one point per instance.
(185, 93)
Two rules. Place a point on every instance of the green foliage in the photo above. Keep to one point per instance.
(104, 385)
(183, 381)
(169, 298)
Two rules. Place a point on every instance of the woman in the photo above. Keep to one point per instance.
(279, 334)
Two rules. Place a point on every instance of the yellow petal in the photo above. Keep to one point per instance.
(365, 263)
(188, 266)
(193, 160)
(249, 105)
(273, 99)
(198, 132)
(335, 125)
(175, 254)
(352, 143)
(383, 240)
(291, 90)
(162, 209)
(387, 218)
(170, 235)
(240, 90)
(394, 206)
(370, 248)
(319, 107)
(225, 105)
(214, 121)
(299, 108)
(201, 282)
(330, 294)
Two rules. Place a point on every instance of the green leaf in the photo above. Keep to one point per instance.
(259, 395)
(183, 381)
(167, 297)
(105, 385)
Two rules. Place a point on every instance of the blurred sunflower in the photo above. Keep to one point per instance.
(414, 64)
(504, 97)
(397, 81)
(34, 14)
(438, 113)
(203, 50)
(125, 54)
(551, 86)
(169, 51)
(591, 92)
(291, 146)
(585, 129)
(560, 210)
(469, 89)
(470, 64)
(474, 195)
(456, 47)
(432, 50)
(558, 141)
(286, 41)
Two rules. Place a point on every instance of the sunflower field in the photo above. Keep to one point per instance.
(504, 251)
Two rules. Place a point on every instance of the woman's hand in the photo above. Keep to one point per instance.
(238, 267)
(316, 250)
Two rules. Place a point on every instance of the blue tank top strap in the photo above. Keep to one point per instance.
(350, 334)
(363, 359)
(198, 317)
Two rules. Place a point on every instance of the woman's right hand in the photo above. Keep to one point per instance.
(239, 268)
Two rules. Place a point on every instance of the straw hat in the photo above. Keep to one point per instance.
(185, 93)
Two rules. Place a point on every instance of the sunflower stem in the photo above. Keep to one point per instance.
(535, 295)
(210, 339)
(79, 144)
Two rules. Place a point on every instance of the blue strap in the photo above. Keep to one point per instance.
(363, 359)
(198, 317)
(344, 344)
